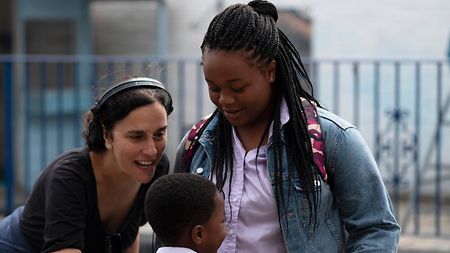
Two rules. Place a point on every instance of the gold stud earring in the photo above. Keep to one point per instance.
(108, 146)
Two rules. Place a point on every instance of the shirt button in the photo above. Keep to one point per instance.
(231, 231)
(199, 170)
(317, 182)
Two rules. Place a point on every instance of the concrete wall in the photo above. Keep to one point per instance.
(124, 28)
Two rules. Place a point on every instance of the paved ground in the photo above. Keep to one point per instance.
(407, 244)
(426, 242)
(415, 244)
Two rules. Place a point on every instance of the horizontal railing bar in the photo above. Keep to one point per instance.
(137, 58)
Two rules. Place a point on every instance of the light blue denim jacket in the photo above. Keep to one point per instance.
(360, 220)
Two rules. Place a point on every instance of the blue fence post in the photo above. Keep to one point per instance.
(9, 135)
(356, 89)
(43, 113)
(376, 105)
(199, 73)
(397, 114)
(315, 77)
(336, 87)
(417, 175)
(438, 147)
(60, 103)
(181, 99)
(27, 132)
(77, 101)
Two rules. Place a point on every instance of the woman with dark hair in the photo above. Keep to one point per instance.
(91, 199)
(296, 178)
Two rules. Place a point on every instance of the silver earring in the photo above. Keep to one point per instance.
(108, 146)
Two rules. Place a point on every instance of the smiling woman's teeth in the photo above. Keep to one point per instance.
(145, 163)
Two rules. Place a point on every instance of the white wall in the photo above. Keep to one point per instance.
(123, 28)
(342, 29)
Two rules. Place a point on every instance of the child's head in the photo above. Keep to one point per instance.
(186, 210)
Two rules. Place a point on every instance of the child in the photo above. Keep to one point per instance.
(186, 212)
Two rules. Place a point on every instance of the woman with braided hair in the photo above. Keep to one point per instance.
(296, 178)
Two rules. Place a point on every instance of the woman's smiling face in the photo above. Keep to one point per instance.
(241, 91)
(139, 140)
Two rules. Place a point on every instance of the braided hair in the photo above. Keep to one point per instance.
(252, 29)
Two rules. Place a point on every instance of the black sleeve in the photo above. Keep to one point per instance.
(66, 210)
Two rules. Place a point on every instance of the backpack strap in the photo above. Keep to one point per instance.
(315, 136)
(192, 143)
(314, 131)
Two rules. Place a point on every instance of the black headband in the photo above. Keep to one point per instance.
(143, 82)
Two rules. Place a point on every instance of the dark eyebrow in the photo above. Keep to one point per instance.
(162, 128)
(145, 131)
(228, 81)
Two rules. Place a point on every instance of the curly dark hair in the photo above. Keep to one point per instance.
(251, 28)
(177, 202)
(117, 107)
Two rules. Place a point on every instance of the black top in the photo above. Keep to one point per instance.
(62, 209)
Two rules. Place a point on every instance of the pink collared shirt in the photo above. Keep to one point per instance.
(254, 225)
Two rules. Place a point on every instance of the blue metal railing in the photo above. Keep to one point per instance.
(9, 133)
(396, 104)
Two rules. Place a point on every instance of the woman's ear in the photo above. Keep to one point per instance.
(271, 71)
(106, 137)
(197, 234)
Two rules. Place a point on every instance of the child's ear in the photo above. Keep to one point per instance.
(197, 234)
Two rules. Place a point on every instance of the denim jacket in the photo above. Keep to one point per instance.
(358, 219)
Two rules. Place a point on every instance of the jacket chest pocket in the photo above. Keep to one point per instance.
(201, 165)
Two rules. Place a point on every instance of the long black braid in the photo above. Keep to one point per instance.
(251, 28)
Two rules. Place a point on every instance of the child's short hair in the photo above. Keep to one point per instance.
(177, 202)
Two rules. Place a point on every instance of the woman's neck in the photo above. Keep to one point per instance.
(251, 137)
(107, 172)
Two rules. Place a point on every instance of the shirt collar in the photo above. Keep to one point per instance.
(284, 116)
(174, 250)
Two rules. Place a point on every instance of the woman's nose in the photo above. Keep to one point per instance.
(150, 148)
(225, 98)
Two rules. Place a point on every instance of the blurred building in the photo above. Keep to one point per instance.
(122, 27)
(159, 29)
